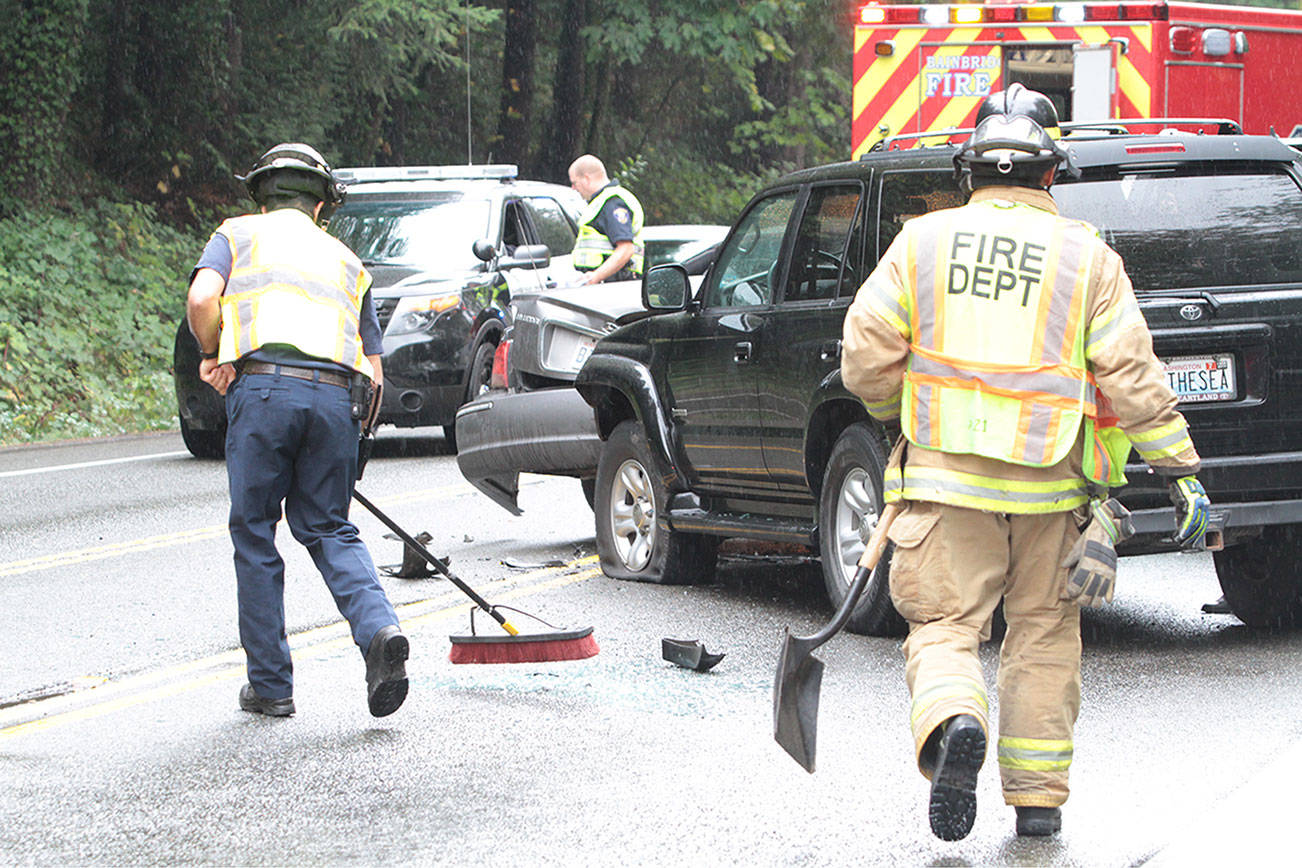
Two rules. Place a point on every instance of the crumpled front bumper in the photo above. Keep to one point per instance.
(503, 434)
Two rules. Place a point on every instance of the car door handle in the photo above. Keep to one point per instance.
(830, 350)
(741, 351)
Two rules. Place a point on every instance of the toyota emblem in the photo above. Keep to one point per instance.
(1192, 312)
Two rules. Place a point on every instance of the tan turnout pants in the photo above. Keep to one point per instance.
(950, 568)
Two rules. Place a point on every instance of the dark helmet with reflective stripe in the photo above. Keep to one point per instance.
(292, 168)
(1011, 143)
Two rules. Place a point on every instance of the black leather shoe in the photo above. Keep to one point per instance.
(1038, 822)
(251, 701)
(953, 784)
(386, 671)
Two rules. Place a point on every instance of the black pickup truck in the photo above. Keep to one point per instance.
(723, 414)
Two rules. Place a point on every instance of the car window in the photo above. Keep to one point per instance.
(515, 227)
(433, 231)
(821, 241)
(554, 228)
(744, 272)
(905, 195)
(1176, 231)
(855, 273)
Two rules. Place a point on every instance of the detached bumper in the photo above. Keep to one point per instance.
(501, 435)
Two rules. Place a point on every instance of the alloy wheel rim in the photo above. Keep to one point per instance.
(633, 515)
(856, 516)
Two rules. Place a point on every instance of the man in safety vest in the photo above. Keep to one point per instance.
(609, 246)
(992, 333)
(287, 332)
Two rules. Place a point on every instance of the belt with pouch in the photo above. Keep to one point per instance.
(316, 375)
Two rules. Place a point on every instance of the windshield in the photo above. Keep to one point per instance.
(433, 232)
(1183, 231)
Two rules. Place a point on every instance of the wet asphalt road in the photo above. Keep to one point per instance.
(118, 590)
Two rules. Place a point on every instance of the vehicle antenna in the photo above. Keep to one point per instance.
(469, 160)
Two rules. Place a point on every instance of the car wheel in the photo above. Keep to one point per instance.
(630, 542)
(481, 371)
(849, 505)
(203, 443)
(1262, 578)
(589, 492)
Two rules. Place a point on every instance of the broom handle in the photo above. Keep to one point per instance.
(436, 563)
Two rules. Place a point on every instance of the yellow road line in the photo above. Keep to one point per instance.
(132, 691)
(185, 537)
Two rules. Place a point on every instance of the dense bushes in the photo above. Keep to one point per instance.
(90, 305)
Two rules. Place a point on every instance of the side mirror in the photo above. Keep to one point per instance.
(665, 287)
(528, 256)
(484, 250)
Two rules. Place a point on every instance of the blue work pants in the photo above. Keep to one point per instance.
(294, 441)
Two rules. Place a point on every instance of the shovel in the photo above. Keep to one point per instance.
(800, 673)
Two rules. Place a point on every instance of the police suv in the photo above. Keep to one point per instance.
(723, 413)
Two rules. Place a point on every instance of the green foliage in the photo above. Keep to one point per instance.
(676, 188)
(92, 302)
(40, 48)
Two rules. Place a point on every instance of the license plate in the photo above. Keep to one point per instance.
(584, 350)
(1201, 378)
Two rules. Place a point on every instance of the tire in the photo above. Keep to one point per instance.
(203, 443)
(590, 492)
(1262, 578)
(480, 373)
(848, 508)
(631, 544)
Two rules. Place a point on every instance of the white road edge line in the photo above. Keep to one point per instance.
(57, 467)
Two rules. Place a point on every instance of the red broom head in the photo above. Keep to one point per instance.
(527, 648)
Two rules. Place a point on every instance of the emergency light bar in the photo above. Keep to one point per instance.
(938, 15)
(361, 174)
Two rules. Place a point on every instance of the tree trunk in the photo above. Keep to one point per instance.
(515, 121)
(565, 124)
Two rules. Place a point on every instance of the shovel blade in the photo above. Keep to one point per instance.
(795, 700)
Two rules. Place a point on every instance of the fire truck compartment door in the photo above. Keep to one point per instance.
(1093, 82)
(1204, 90)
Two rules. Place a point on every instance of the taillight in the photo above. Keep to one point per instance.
(500, 360)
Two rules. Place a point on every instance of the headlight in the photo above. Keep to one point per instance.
(414, 313)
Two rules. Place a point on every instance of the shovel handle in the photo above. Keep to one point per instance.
(867, 563)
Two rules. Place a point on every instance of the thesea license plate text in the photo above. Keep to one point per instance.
(1201, 378)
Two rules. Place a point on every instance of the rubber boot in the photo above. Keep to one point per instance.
(953, 783)
(1038, 822)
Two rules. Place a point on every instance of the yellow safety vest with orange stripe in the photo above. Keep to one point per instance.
(997, 325)
(291, 283)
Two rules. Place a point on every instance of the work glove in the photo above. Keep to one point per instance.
(1191, 508)
(1093, 560)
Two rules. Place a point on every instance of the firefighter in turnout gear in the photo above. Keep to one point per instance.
(288, 334)
(1007, 344)
(609, 244)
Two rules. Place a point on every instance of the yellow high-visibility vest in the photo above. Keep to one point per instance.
(997, 364)
(292, 283)
(592, 247)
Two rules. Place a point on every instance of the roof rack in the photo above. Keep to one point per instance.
(502, 172)
(1116, 127)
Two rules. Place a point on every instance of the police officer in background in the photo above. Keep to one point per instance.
(287, 332)
(609, 246)
(992, 333)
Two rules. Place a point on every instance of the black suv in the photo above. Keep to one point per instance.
(446, 247)
(724, 415)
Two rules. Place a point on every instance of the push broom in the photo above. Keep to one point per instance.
(515, 647)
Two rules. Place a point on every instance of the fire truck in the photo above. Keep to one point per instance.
(927, 67)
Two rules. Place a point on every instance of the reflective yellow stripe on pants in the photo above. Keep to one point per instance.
(1035, 754)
